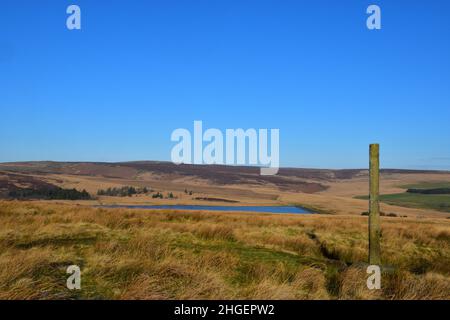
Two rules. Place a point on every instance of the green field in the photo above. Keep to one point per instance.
(427, 185)
(440, 202)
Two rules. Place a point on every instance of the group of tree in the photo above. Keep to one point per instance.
(126, 191)
(50, 194)
(161, 196)
(188, 192)
(430, 191)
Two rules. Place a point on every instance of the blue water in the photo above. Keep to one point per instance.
(265, 209)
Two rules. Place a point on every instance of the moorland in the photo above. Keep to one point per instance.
(170, 254)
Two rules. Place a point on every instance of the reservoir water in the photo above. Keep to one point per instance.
(264, 209)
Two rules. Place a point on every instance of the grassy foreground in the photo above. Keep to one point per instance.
(139, 254)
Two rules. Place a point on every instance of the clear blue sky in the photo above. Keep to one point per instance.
(137, 70)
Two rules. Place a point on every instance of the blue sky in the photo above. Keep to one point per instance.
(115, 90)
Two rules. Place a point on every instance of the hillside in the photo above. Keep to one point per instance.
(333, 191)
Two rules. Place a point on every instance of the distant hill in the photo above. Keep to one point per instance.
(29, 174)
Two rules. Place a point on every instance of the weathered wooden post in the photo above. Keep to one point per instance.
(374, 206)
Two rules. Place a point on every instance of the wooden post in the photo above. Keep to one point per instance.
(374, 206)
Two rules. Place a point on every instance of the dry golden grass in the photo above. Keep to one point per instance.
(141, 254)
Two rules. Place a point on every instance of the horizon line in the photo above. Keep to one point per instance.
(224, 165)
